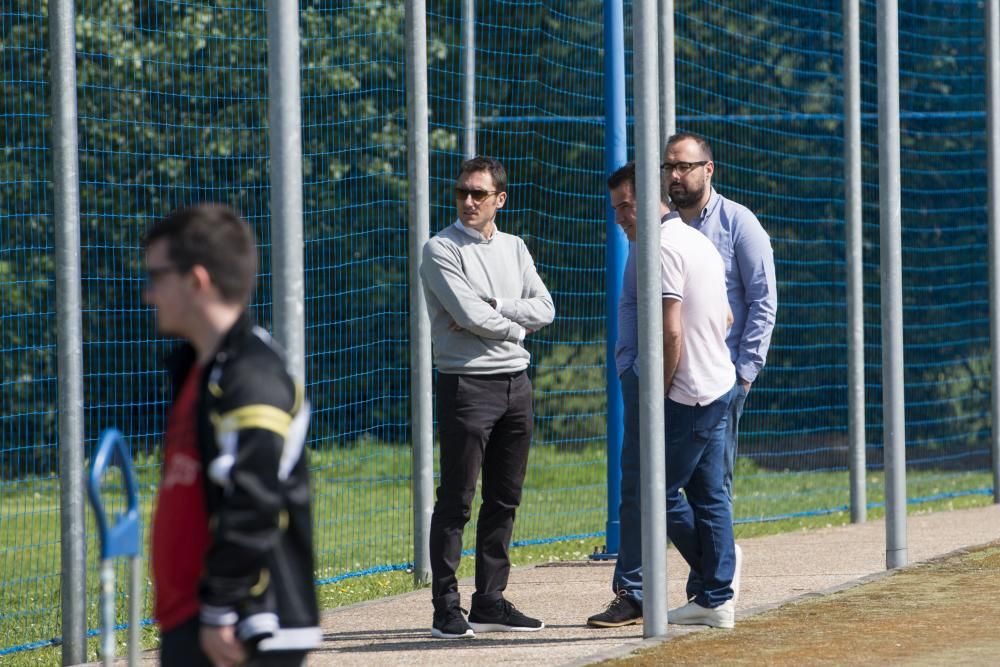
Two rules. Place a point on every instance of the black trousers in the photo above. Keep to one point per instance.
(180, 647)
(484, 423)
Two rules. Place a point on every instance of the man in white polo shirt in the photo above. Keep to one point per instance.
(700, 381)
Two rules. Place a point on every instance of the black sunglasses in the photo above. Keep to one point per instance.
(478, 196)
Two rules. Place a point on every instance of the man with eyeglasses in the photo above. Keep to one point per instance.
(626, 582)
(483, 296)
(699, 381)
(686, 176)
(231, 545)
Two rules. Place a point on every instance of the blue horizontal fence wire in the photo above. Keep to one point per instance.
(56, 641)
(173, 103)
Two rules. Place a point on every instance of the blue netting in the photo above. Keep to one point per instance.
(354, 124)
(173, 106)
(29, 487)
(528, 71)
(764, 84)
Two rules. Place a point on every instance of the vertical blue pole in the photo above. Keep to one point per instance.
(615, 155)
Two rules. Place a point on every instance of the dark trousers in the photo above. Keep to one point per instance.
(628, 566)
(180, 647)
(484, 423)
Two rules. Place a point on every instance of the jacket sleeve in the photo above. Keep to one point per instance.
(256, 418)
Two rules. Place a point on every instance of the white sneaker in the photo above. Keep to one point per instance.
(736, 574)
(723, 616)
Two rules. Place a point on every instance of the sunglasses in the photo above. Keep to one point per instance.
(478, 196)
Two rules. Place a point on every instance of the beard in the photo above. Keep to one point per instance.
(683, 197)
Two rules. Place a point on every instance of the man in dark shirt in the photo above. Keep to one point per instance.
(232, 555)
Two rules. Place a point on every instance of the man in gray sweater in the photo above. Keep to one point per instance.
(484, 296)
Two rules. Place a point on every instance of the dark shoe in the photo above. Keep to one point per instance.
(501, 616)
(623, 610)
(450, 623)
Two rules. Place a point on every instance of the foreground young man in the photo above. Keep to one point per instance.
(232, 554)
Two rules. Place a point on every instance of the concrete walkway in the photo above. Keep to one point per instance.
(777, 569)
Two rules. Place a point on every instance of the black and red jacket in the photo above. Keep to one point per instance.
(252, 420)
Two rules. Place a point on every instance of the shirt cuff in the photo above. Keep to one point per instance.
(218, 616)
(515, 333)
(746, 372)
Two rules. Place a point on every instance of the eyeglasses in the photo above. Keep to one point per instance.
(682, 168)
(478, 196)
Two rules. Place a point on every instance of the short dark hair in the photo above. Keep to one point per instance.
(623, 174)
(487, 164)
(702, 142)
(626, 174)
(215, 237)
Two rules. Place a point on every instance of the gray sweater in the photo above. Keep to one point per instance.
(460, 273)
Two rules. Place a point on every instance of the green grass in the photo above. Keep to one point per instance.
(363, 517)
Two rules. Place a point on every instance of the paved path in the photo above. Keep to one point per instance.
(779, 568)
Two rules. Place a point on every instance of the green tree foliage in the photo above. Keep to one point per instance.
(173, 104)
(27, 297)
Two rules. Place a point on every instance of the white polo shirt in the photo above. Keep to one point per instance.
(692, 272)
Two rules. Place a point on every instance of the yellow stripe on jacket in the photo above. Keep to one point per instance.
(266, 417)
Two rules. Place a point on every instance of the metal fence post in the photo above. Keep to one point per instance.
(855, 262)
(893, 399)
(647, 180)
(418, 160)
(668, 91)
(992, 21)
(469, 78)
(285, 117)
(69, 328)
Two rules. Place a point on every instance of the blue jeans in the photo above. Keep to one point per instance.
(700, 522)
(628, 567)
(732, 439)
(733, 434)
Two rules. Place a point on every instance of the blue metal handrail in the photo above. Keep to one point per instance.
(118, 539)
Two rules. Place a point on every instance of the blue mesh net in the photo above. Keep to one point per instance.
(29, 486)
(173, 104)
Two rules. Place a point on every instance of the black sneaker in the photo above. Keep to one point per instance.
(450, 623)
(501, 616)
(623, 610)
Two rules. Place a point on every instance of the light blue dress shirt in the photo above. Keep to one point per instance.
(750, 286)
(750, 283)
